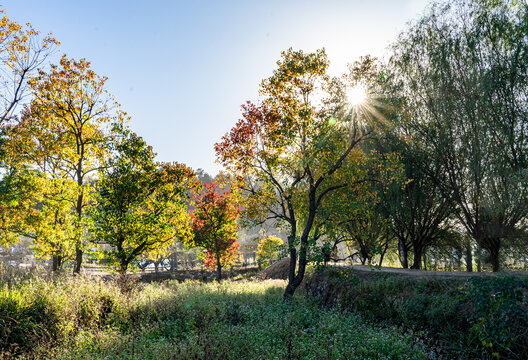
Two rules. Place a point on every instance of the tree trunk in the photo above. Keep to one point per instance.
(479, 258)
(383, 252)
(219, 270)
(469, 257)
(494, 250)
(403, 255)
(56, 263)
(123, 268)
(78, 261)
(418, 253)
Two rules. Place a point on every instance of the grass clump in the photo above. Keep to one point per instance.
(191, 320)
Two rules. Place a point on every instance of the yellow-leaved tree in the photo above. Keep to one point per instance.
(22, 51)
(62, 135)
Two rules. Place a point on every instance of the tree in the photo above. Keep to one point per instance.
(141, 205)
(22, 52)
(353, 215)
(418, 213)
(64, 130)
(462, 70)
(268, 249)
(287, 153)
(215, 228)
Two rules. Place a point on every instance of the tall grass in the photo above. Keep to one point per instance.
(78, 318)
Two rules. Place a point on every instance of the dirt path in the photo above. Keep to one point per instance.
(433, 274)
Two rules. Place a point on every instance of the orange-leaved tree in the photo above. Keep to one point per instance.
(215, 228)
(288, 152)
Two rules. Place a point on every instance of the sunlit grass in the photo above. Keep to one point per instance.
(89, 319)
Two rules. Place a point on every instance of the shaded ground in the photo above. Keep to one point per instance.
(179, 275)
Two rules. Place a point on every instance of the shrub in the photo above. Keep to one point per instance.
(499, 316)
(484, 317)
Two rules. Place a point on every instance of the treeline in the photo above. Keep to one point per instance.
(430, 167)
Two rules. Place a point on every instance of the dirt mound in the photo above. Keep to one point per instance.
(277, 270)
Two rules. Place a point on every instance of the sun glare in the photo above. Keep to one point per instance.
(356, 95)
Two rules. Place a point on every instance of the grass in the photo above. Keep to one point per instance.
(76, 318)
(484, 317)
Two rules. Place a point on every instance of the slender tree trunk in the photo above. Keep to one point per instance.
(479, 258)
(78, 260)
(78, 208)
(290, 288)
(219, 269)
(382, 255)
(469, 256)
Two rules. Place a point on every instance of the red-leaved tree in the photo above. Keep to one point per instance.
(215, 228)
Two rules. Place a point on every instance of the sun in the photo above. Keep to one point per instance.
(356, 95)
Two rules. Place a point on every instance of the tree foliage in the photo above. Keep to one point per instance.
(62, 135)
(141, 205)
(288, 151)
(268, 249)
(462, 70)
(214, 226)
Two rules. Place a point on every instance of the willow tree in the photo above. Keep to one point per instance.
(462, 69)
(288, 151)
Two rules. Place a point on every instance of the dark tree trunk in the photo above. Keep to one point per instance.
(78, 261)
(123, 268)
(56, 263)
(418, 253)
(403, 253)
(219, 270)
(469, 257)
(479, 259)
(494, 249)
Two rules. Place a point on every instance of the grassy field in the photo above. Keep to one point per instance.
(340, 313)
(75, 318)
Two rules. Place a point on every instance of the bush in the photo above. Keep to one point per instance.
(499, 316)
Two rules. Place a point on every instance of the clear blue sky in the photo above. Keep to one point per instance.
(182, 69)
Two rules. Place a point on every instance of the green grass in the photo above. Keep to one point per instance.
(477, 318)
(74, 318)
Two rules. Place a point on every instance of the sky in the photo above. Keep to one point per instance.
(182, 69)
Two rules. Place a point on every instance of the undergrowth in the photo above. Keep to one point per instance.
(478, 318)
(78, 318)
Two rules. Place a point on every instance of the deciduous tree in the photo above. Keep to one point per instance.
(215, 228)
(288, 151)
(462, 69)
(141, 205)
(64, 130)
